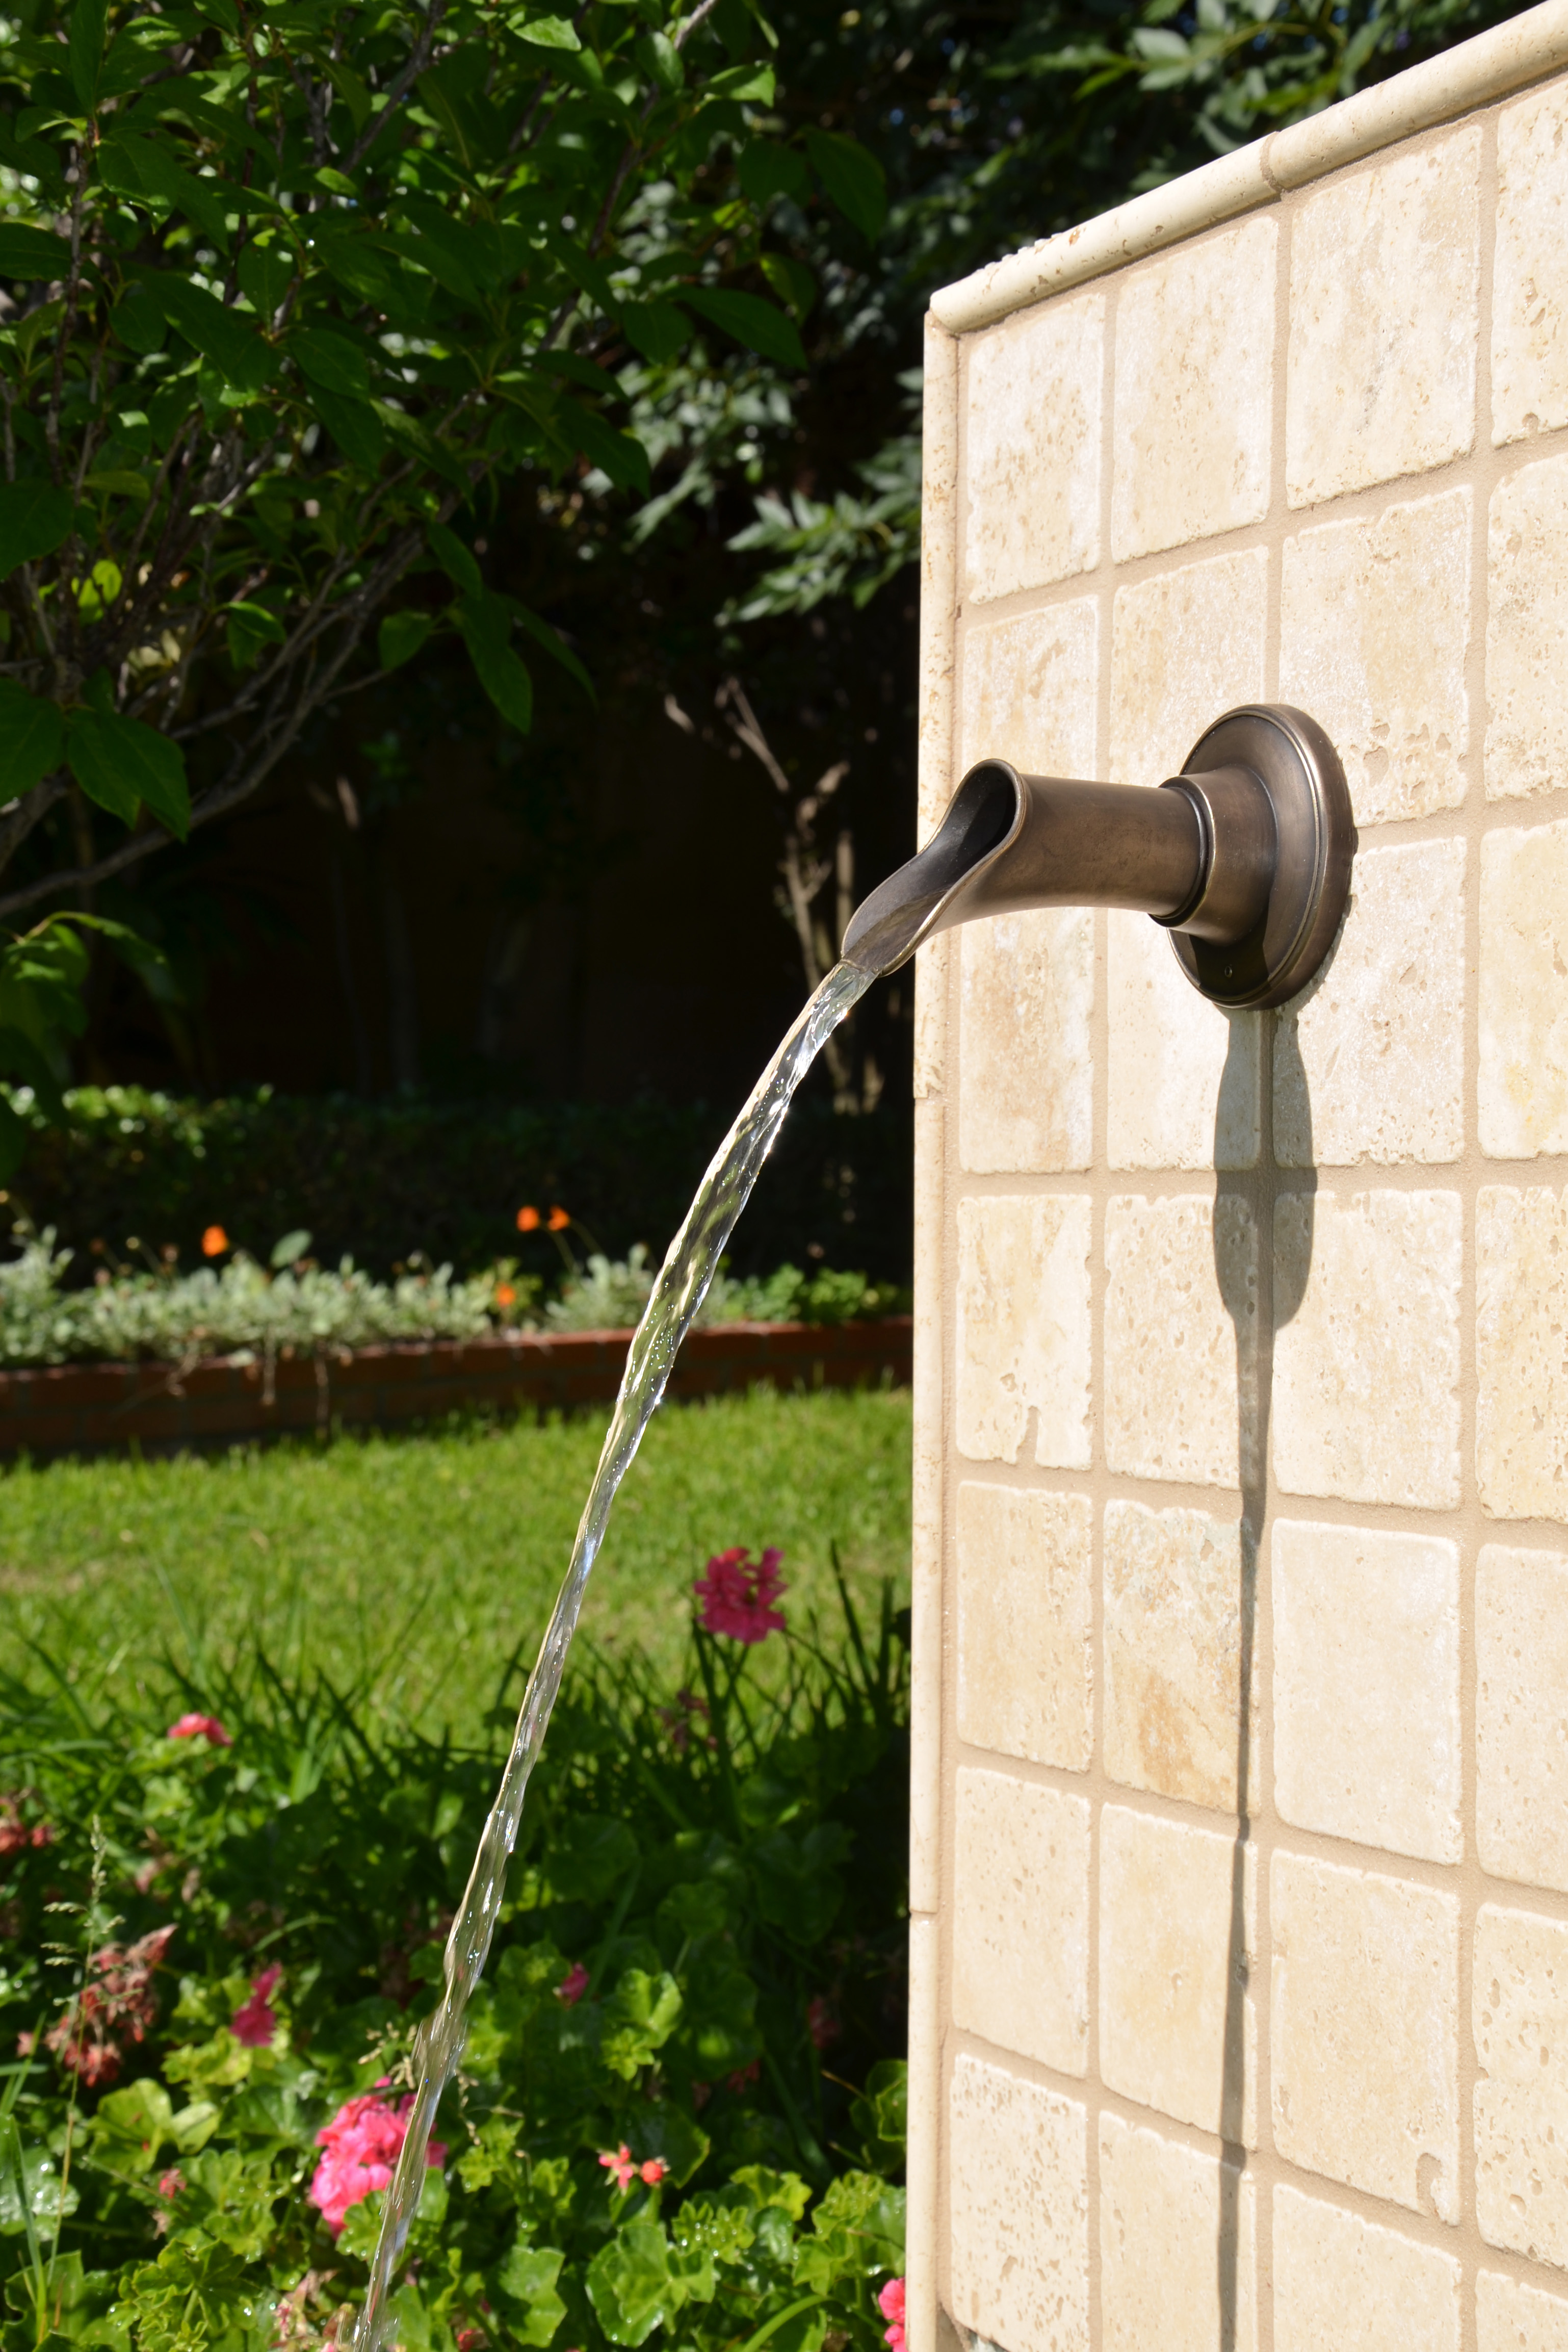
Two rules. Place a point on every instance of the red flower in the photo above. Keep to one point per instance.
(622, 2165)
(16, 1835)
(504, 1297)
(736, 1594)
(215, 1241)
(528, 1221)
(254, 2022)
(363, 2142)
(820, 2023)
(558, 1220)
(201, 1727)
(572, 1986)
(653, 2171)
(117, 2005)
(744, 2076)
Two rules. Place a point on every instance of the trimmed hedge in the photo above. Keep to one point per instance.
(383, 1180)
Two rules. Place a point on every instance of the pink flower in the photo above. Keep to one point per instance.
(890, 2303)
(170, 2183)
(255, 2023)
(201, 1727)
(736, 1592)
(743, 2077)
(117, 2004)
(363, 2142)
(820, 2023)
(573, 1985)
(654, 2170)
(622, 2165)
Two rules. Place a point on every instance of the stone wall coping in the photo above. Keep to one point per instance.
(1505, 59)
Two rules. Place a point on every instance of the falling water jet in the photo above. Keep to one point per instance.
(1244, 858)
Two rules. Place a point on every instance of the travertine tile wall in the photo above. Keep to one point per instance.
(1240, 1934)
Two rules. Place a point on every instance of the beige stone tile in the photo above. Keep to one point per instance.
(1364, 2032)
(1527, 632)
(1032, 460)
(1023, 1333)
(1021, 1918)
(1530, 289)
(1521, 1361)
(1346, 2284)
(1369, 1064)
(1178, 2246)
(1184, 645)
(1366, 1686)
(1513, 2317)
(1520, 2019)
(1178, 1923)
(1025, 1561)
(933, 964)
(1182, 1076)
(1026, 1065)
(1384, 320)
(1018, 2202)
(1181, 1306)
(1032, 689)
(1366, 1346)
(1373, 636)
(1195, 392)
(1176, 1586)
(1521, 1715)
(1523, 1075)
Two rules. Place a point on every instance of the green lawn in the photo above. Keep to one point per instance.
(419, 1564)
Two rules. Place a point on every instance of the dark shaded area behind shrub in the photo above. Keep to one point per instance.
(381, 1180)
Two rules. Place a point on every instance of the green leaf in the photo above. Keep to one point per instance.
(661, 61)
(758, 83)
(32, 739)
(13, 1139)
(118, 763)
(857, 2231)
(621, 456)
(266, 274)
(331, 360)
(35, 518)
(528, 2276)
(765, 169)
(594, 1854)
(354, 426)
(138, 321)
(630, 2285)
(657, 330)
(792, 281)
(852, 177)
(751, 321)
(135, 166)
(132, 2125)
(455, 559)
(544, 32)
(554, 643)
(400, 635)
(250, 626)
(485, 624)
(32, 252)
(85, 50)
(224, 336)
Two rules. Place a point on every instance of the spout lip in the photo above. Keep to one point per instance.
(980, 824)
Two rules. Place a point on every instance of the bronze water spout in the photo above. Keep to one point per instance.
(1244, 858)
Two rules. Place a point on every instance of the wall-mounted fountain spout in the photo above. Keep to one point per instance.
(1244, 858)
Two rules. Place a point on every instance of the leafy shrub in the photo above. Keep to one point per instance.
(242, 1310)
(450, 1178)
(221, 1929)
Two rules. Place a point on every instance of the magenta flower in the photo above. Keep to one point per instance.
(736, 1594)
(890, 2303)
(621, 2166)
(201, 1727)
(254, 2022)
(572, 1986)
(363, 2142)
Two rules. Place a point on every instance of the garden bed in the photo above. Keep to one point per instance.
(162, 1408)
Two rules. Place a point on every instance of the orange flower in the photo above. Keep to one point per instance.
(558, 1219)
(528, 1221)
(215, 1241)
(505, 1294)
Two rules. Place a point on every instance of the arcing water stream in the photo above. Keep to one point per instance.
(678, 1293)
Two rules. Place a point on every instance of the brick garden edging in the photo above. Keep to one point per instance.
(89, 1408)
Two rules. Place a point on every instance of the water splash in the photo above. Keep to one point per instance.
(678, 1293)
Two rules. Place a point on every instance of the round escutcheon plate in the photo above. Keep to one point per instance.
(1299, 769)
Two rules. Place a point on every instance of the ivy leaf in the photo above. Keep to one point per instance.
(485, 624)
(528, 2276)
(400, 635)
(751, 321)
(852, 177)
(629, 2282)
(32, 738)
(35, 518)
(32, 252)
(118, 762)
